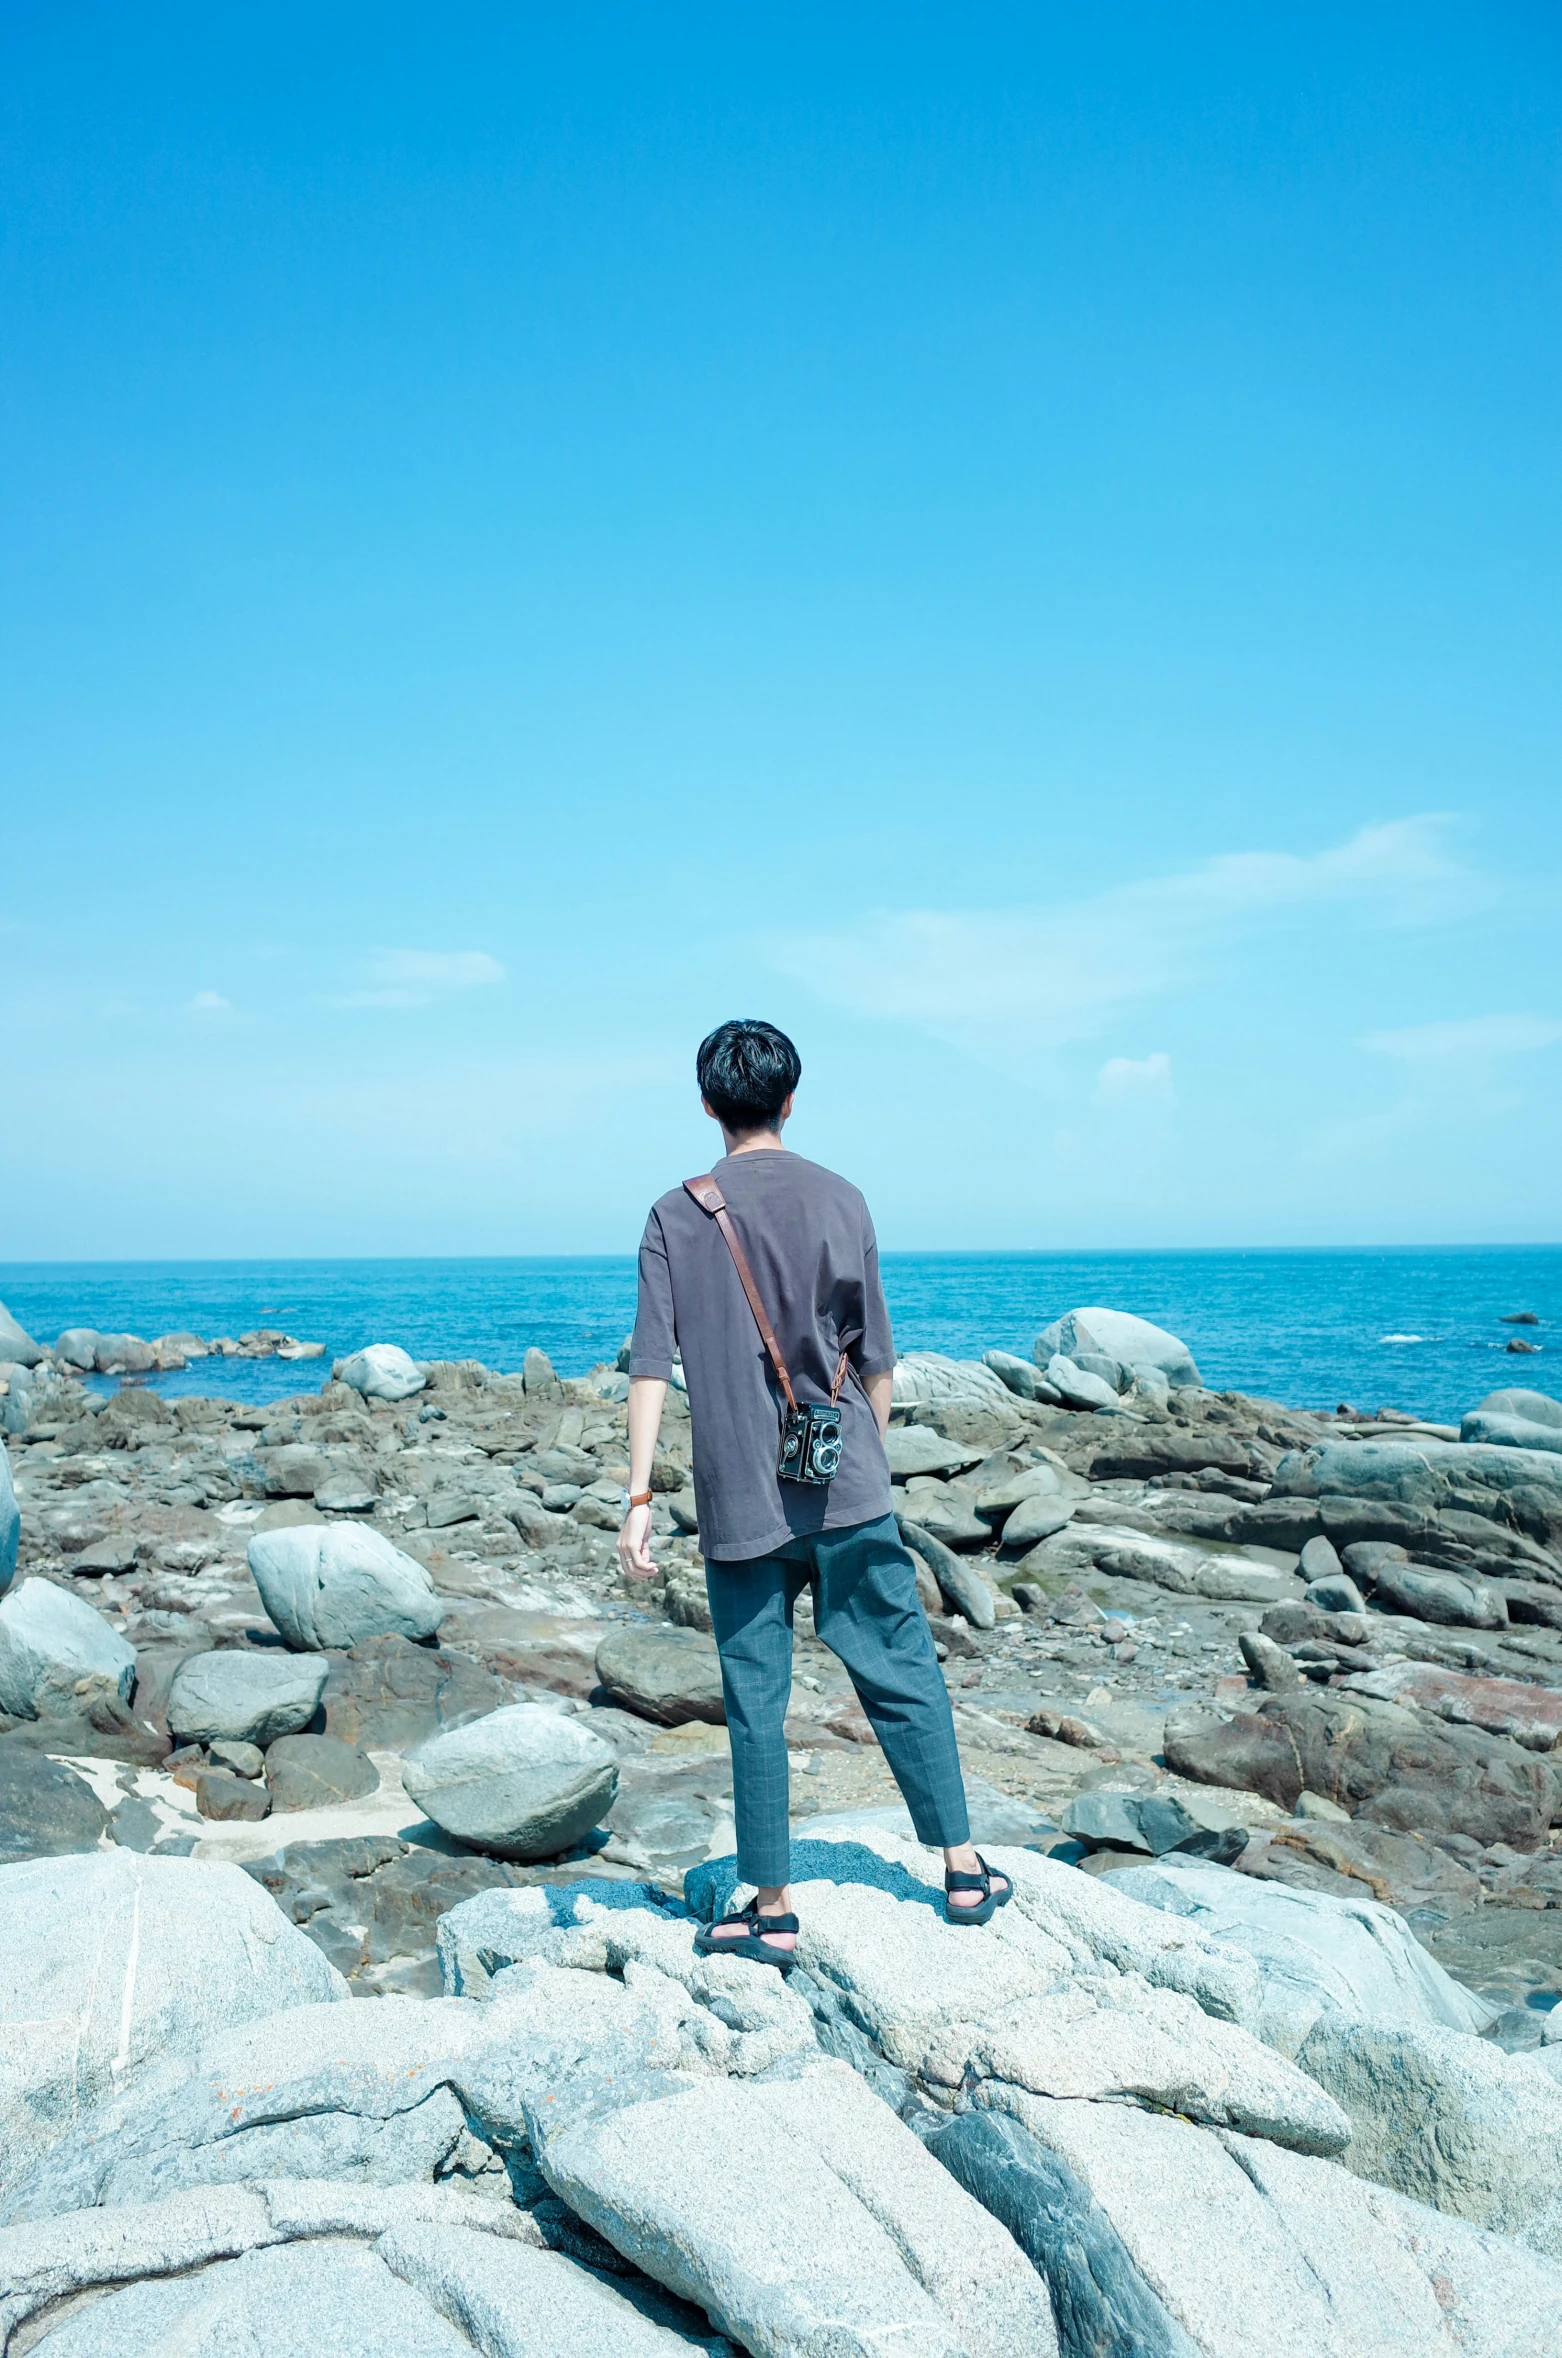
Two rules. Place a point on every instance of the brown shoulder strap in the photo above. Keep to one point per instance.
(710, 1199)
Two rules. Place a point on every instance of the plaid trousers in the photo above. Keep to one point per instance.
(866, 1611)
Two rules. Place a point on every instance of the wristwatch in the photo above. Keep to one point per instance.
(634, 1498)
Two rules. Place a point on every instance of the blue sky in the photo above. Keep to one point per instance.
(1020, 543)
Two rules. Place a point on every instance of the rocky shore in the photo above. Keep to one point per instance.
(344, 1697)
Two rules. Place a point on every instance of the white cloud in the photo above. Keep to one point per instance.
(1474, 1038)
(411, 978)
(210, 1003)
(1039, 978)
(1136, 1080)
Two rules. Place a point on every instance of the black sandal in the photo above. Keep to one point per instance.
(990, 1900)
(758, 1951)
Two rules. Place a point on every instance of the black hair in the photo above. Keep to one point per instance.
(747, 1070)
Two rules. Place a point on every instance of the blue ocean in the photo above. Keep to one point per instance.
(1415, 1329)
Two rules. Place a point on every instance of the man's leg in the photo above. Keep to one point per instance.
(751, 1613)
(867, 1612)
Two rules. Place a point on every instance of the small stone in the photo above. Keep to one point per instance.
(313, 1772)
(1026, 1595)
(1319, 1560)
(1063, 1728)
(245, 1760)
(1270, 1664)
(218, 1795)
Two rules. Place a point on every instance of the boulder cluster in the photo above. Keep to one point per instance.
(345, 1697)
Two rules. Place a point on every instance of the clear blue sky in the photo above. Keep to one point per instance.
(1022, 543)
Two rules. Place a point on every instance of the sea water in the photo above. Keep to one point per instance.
(1415, 1329)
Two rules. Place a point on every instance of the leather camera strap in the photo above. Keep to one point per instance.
(710, 1199)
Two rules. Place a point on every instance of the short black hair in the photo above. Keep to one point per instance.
(747, 1070)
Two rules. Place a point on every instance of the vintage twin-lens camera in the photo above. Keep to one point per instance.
(811, 1443)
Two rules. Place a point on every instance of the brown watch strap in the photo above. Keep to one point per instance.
(640, 1498)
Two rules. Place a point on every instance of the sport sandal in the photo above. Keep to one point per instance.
(758, 1951)
(989, 1901)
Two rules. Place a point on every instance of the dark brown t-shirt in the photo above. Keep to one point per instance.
(811, 1246)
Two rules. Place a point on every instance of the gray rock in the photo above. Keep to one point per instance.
(454, 1505)
(669, 1675)
(45, 1809)
(1443, 1597)
(1336, 1592)
(1015, 1374)
(927, 1379)
(327, 1585)
(961, 1586)
(917, 1449)
(802, 2216)
(347, 1492)
(268, 2304)
(524, 1783)
(293, 1472)
(381, 1372)
(232, 1800)
(1317, 1953)
(1118, 1335)
(78, 1347)
(1149, 1823)
(388, 1692)
(537, 1375)
(124, 1355)
(1423, 1475)
(1536, 1408)
(245, 1760)
(117, 1553)
(1075, 1387)
(244, 1693)
(1270, 1664)
(10, 1522)
(314, 1772)
(947, 1511)
(1033, 1520)
(515, 2302)
(1448, 2119)
(178, 1947)
(16, 1344)
(55, 1651)
(1319, 1559)
(1511, 1432)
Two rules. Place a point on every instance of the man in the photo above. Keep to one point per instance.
(802, 1240)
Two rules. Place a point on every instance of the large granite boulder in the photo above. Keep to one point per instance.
(55, 1651)
(1316, 1953)
(10, 1521)
(245, 1695)
(1426, 1476)
(1449, 2119)
(326, 1585)
(665, 1674)
(381, 1372)
(1117, 1335)
(110, 1959)
(927, 1379)
(524, 1783)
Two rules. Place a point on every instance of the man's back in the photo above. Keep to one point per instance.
(811, 1246)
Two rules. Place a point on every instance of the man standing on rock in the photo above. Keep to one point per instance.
(764, 1274)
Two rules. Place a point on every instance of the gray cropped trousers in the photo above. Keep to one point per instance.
(867, 1612)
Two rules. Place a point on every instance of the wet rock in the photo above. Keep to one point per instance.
(1385, 1763)
(55, 1651)
(524, 1783)
(245, 1694)
(389, 1693)
(329, 1585)
(45, 1809)
(315, 1772)
(668, 1675)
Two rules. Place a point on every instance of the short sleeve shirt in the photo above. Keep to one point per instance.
(815, 1259)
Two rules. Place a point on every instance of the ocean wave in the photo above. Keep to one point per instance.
(1402, 1338)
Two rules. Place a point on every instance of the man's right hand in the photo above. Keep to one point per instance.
(634, 1545)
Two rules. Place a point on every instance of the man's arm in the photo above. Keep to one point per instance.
(646, 1394)
(878, 1388)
